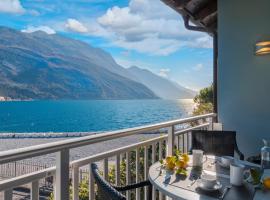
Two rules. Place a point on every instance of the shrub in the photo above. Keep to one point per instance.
(204, 101)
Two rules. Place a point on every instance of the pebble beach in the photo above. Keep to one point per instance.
(77, 153)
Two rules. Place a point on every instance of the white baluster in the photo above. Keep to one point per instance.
(75, 183)
(160, 154)
(170, 144)
(138, 195)
(185, 142)
(153, 153)
(189, 142)
(128, 174)
(210, 127)
(8, 194)
(153, 161)
(160, 157)
(145, 170)
(117, 170)
(54, 186)
(91, 184)
(166, 146)
(62, 175)
(35, 190)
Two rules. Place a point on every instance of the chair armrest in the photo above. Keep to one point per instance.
(132, 186)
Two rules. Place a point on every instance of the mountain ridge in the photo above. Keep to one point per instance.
(41, 66)
(162, 87)
(72, 69)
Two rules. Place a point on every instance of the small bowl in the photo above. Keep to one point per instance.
(226, 160)
(208, 181)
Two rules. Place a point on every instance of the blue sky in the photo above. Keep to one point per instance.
(145, 33)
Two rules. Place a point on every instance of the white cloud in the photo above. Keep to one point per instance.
(153, 46)
(95, 29)
(164, 72)
(76, 26)
(46, 29)
(11, 6)
(148, 26)
(198, 67)
(119, 18)
(34, 12)
(145, 26)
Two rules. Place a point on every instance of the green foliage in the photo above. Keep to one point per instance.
(51, 197)
(204, 101)
(205, 95)
(83, 191)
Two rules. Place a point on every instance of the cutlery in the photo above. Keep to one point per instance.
(227, 188)
(194, 179)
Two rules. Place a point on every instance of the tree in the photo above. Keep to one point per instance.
(204, 101)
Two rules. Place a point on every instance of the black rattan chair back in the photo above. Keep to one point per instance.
(105, 190)
(219, 143)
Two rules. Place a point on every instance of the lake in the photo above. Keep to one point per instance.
(88, 116)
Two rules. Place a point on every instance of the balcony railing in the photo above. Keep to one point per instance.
(177, 134)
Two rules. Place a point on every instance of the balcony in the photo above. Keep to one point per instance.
(176, 134)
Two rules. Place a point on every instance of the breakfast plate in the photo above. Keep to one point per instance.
(217, 186)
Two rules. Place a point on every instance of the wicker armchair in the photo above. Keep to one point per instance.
(220, 143)
(109, 192)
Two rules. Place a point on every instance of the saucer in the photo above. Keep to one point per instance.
(217, 186)
(222, 165)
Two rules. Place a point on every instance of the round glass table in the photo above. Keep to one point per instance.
(185, 188)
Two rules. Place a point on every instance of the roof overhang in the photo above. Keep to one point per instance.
(202, 13)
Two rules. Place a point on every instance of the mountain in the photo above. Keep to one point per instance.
(41, 66)
(162, 87)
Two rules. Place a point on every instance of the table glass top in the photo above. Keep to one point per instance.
(170, 181)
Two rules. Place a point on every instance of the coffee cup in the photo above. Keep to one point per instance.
(208, 181)
(226, 160)
(236, 174)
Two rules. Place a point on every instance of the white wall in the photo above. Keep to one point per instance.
(243, 78)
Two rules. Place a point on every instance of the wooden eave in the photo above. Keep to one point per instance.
(202, 13)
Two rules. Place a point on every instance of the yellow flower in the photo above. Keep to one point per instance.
(170, 162)
(169, 159)
(170, 166)
(185, 157)
(180, 164)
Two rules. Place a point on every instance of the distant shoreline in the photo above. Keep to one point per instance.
(5, 100)
(45, 135)
(48, 135)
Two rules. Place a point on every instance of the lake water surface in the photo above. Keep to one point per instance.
(88, 116)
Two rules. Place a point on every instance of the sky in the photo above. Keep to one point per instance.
(143, 33)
